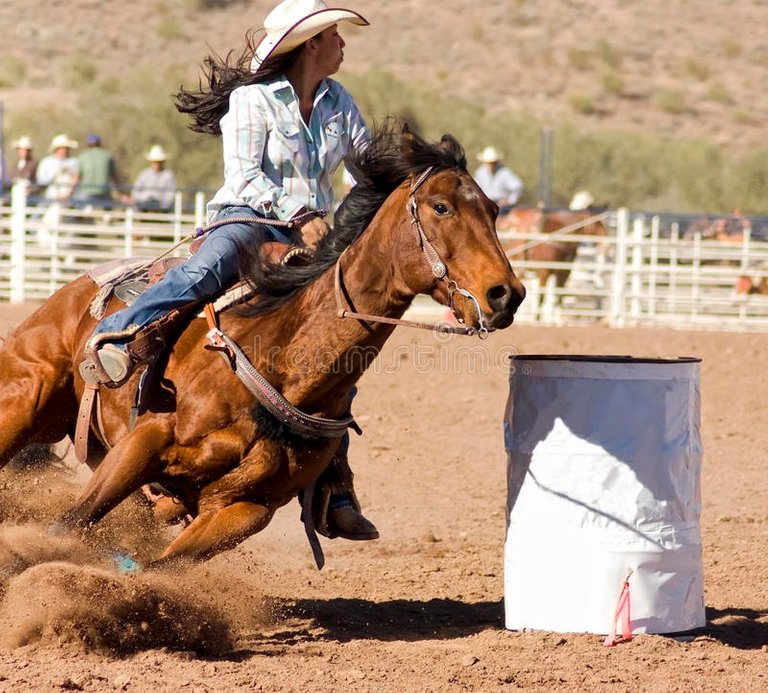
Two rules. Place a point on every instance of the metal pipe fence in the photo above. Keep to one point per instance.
(43, 247)
(645, 272)
(639, 276)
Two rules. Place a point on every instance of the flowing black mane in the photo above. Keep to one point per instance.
(394, 154)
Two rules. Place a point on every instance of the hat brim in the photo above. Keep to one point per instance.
(64, 144)
(277, 43)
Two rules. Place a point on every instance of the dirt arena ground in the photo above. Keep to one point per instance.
(421, 609)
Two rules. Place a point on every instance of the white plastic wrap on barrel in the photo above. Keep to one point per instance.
(604, 462)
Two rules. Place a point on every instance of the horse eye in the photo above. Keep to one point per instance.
(440, 209)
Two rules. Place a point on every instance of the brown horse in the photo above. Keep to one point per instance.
(415, 207)
(535, 220)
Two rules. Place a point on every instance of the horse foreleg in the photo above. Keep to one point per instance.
(127, 467)
(217, 530)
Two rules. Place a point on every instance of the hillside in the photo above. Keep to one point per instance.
(669, 68)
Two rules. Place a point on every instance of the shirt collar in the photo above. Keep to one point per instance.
(283, 90)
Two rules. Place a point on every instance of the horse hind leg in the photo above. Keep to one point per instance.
(37, 397)
(33, 412)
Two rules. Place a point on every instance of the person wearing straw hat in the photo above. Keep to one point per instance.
(497, 181)
(58, 170)
(155, 186)
(582, 200)
(285, 127)
(25, 167)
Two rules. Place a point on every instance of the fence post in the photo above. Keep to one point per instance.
(18, 249)
(696, 275)
(178, 210)
(674, 245)
(618, 285)
(638, 231)
(199, 209)
(653, 268)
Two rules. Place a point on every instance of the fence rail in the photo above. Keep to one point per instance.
(44, 247)
(643, 273)
(640, 276)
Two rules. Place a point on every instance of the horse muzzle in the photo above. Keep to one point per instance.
(504, 300)
(496, 310)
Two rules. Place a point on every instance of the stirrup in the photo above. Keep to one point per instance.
(116, 362)
(93, 370)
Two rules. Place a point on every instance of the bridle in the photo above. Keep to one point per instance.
(439, 270)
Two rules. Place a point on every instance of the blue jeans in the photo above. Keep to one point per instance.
(212, 269)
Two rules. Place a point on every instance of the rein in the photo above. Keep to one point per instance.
(439, 270)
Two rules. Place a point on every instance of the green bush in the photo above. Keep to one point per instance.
(719, 93)
(582, 103)
(79, 73)
(608, 54)
(697, 68)
(580, 59)
(619, 168)
(13, 71)
(671, 101)
(613, 83)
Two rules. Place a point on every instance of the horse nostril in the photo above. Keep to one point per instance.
(498, 296)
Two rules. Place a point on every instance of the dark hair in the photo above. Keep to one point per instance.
(221, 76)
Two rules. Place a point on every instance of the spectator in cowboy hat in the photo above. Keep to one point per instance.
(286, 127)
(582, 199)
(57, 171)
(498, 182)
(155, 186)
(25, 167)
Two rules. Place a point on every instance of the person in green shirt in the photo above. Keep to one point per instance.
(96, 175)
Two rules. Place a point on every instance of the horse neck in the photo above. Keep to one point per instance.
(332, 352)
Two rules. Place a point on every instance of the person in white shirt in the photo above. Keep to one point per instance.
(155, 186)
(497, 181)
(57, 172)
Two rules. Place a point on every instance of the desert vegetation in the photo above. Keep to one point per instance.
(669, 122)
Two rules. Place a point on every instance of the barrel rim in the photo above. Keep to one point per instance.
(607, 358)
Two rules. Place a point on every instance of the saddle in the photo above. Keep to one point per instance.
(148, 345)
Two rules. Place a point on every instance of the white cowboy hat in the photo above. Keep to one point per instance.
(156, 153)
(489, 155)
(62, 141)
(294, 21)
(24, 142)
(581, 200)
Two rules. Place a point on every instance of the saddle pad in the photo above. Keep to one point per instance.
(113, 270)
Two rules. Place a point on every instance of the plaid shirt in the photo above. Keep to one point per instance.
(273, 161)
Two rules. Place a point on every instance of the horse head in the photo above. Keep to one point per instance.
(453, 253)
(417, 212)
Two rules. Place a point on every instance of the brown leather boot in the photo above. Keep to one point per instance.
(346, 521)
(335, 507)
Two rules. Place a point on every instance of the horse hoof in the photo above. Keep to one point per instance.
(125, 564)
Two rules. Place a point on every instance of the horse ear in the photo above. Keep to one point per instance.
(451, 145)
(407, 139)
